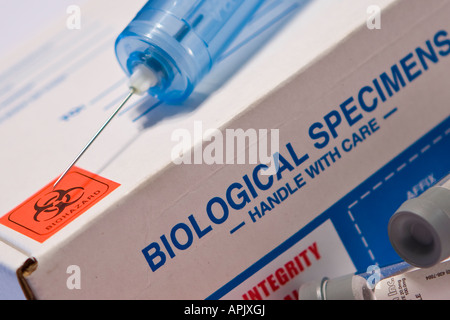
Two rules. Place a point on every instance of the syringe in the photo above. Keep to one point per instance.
(171, 45)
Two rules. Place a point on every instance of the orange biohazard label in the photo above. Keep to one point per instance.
(50, 209)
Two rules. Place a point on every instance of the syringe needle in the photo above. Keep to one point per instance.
(132, 91)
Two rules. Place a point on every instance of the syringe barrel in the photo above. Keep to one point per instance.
(180, 40)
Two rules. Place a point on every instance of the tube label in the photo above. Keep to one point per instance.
(419, 284)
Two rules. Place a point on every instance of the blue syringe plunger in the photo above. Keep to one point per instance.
(176, 43)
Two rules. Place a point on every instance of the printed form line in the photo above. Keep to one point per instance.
(153, 106)
(45, 88)
(40, 56)
(258, 32)
(42, 74)
(107, 91)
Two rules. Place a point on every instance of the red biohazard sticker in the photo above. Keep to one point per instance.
(50, 209)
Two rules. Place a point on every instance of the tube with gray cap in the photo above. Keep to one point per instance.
(419, 230)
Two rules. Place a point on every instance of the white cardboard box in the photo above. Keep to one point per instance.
(362, 114)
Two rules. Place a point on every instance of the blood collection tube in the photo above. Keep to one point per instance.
(400, 281)
(420, 229)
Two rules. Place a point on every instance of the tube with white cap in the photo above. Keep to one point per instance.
(419, 230)
(352, 286)
(397, 282)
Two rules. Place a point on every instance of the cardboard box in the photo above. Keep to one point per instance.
(362, 117)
